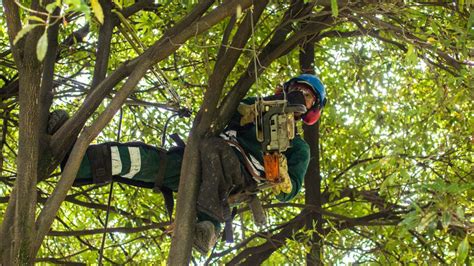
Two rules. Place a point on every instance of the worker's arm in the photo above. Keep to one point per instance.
(298, 160)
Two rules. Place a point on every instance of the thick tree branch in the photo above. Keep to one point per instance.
(312, 180)
(24, 199)
(103, 47)
(12, 15)
(46, 94)
(125, 230)
(258, 254)
(10, 89)
(188, 185)
(227, 60)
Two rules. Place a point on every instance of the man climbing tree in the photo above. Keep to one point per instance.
(231, 164)
(395, 156)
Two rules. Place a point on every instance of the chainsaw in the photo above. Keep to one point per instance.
(275, 128)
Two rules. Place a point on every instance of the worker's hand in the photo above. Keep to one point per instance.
(285, 185)
(248, 113)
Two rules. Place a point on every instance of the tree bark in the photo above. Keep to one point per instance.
(46, 99)
(103, 47)
(24, 200)
(27, 161)
(181, 245)
(312, 181)
(226, 60)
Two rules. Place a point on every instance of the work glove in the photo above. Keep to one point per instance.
(248, 113)
(285, 185)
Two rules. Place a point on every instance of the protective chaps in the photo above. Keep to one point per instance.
(221, 176)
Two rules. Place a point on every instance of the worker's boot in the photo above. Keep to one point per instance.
(56, 119)
(205, 237)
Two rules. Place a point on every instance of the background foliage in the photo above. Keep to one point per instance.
(396, 135)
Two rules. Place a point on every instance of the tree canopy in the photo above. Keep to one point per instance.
(393, 160)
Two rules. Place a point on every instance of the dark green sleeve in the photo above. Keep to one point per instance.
(298, 160)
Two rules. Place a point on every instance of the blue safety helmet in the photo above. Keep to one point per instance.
(314, 82)
(314, 113)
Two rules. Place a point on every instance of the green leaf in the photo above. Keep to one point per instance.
(334, 8)
(35, 18)
(119, 3)
(460, 212)
(411, 56)
(97, 9)
(77, 6)
(462, 252)
(470, 23)
(404, 174)
(51, 7)
(387, 183)
(411, 220)
(446, 219)
(238, 11)
(24, 31)
(425, 221)
(42, 46)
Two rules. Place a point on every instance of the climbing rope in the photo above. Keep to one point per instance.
(181, 113)
(131, 35)
(111, 189)
(254, 49)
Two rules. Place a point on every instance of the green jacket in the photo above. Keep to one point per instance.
(297, 156)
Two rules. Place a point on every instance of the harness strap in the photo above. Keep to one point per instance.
(178, 140)
(160, 176)
(169, 202)
(100, 162)
(245, 159)
(228, 230)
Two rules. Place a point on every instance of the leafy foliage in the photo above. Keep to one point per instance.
(396, 136)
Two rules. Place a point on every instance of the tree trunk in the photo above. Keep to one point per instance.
(27, 161)
(312, 181)
(35, 83)
(181, 245)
